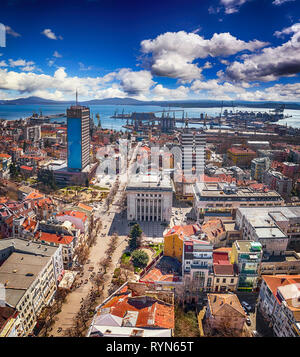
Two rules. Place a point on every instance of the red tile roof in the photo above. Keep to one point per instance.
(151, 312)
(76, 214)
(23, 167)
(184, 231)
(275, 281)
(157, 275)
(54, 238)
(6, 156)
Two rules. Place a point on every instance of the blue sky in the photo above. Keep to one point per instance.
(161, 50)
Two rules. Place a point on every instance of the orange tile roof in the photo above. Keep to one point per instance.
(184, 231)
(26, 168)
(76, 214)
(6, 156)
(213, 228)
(275, 281)
(237, 150)
(54, 238)
(34, 195)
(29, 224)
(83, 206)
(157, 275)
(161, 314)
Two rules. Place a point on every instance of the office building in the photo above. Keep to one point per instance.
(223, 197)
(78, 137)
(149, 198)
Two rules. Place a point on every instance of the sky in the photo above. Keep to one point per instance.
(150, 50)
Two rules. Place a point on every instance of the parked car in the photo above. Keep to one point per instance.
(246, 306)
(248, 321)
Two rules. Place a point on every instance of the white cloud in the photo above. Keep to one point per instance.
(207, 65)
(11, 32)
(232, 6)
(51, 35)
(272, 63)
(135, 83)
(82, 67)
(56, 54)
(3, 64)
(122, 83)
(173, 53)
(162, 93)
(280, 2)
(288, 30)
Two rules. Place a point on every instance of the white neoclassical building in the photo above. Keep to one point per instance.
(149, 198)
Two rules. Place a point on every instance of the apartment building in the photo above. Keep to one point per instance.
(246, 257)
(193, 152)
(197, 267)
(240, 156)
(225, 274)
(258, 167)
(259, 226)
(30, 284)
(286, 219)
(278, 302)
(278, 182)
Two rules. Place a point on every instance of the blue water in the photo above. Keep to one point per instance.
(11, 112)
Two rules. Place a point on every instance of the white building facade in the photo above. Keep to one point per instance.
(149, 198)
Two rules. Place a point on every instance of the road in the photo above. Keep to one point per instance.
(71, 307)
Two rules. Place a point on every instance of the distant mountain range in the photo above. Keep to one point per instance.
(131, 101)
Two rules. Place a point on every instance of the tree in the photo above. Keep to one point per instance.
(135, 235)
(140, 258)
(47, 178)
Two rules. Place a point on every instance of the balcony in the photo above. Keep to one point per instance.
(248, 272)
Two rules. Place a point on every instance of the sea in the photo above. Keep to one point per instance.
(12, 112)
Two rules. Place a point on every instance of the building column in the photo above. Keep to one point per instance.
(136, 206)
(153, 209)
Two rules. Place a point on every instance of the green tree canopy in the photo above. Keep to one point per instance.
(135, 234)
(139, 258)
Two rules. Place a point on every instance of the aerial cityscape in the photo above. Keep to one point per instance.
(149, 170)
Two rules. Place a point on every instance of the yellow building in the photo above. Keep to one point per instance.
(173, 239)
(241, 156)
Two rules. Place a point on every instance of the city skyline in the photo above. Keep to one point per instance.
(220, 49)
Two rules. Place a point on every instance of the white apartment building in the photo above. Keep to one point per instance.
(224, 197)
(197, 267)
(279, 304)
(30, 279)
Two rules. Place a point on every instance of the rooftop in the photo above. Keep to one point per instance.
(217, 302)
(149, 182)
(18, 272)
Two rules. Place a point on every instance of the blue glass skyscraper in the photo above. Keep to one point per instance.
(78, 135)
